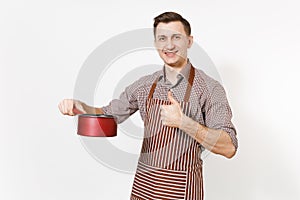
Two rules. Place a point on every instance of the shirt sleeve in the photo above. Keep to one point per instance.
(126, 105)
(218, 113)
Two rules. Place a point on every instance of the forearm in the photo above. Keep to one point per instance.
(216, 141)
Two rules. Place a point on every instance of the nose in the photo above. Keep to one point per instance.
(170, 45)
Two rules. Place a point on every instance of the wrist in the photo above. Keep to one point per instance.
(84, 107)
(189, 126)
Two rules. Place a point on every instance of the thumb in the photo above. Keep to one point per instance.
(77, 108)
(76, 111)
(171, 98)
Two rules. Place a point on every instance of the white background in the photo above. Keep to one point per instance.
(254, 44)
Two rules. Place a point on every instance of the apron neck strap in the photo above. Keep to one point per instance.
(190, 84)
(152, 89)
(188, 88)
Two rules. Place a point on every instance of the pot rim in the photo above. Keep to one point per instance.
(96, 115)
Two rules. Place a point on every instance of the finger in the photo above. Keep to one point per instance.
(60, 107)
(170, 97)
(64, 107)
(163, 108)
(68, 107)
(163, 120)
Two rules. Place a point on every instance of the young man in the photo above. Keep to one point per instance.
(184, 111)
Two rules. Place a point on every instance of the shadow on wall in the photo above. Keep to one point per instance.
(260, 169)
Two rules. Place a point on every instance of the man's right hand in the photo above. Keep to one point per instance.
(71, 107)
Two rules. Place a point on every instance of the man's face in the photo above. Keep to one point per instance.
(172, 43)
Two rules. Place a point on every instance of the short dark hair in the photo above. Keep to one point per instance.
(167, 17)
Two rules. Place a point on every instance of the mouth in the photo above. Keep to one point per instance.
(170, 54)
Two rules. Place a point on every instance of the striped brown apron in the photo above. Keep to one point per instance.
(169, 166)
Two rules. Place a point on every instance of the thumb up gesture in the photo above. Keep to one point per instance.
(171, 115)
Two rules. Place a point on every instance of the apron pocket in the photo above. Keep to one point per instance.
(156, 183)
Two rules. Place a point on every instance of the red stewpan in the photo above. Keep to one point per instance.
(96, 125)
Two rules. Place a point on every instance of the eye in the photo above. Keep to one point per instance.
(177, 37)
(161, 39)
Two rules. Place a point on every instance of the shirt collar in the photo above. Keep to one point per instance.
(185, 72)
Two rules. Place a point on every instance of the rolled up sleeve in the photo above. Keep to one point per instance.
(218, 113)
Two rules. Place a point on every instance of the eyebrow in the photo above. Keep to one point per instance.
(171, 35)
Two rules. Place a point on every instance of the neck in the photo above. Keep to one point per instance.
(178, 66)
(171, 74)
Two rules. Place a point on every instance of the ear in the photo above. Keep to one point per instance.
(190, 41)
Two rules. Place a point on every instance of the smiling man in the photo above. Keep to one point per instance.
(184, 112)
(172, 42)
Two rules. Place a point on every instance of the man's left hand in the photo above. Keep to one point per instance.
(171, 115)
